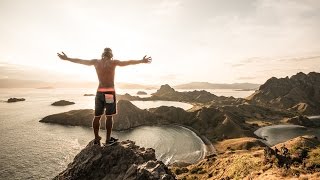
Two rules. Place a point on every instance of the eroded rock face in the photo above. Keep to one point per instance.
(121, 161)
(300, 92)
(62, 103)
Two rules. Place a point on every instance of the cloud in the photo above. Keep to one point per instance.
(247, 78)
(238, 65)
(308, 58)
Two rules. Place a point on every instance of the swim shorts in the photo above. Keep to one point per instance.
(105, 102)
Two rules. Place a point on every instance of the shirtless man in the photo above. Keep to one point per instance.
(105, 99)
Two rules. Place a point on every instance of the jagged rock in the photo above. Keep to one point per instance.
(11, 100)
(301, 93)
(121, 161)
(62, 103)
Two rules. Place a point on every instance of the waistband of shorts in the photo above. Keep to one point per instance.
(102, 89)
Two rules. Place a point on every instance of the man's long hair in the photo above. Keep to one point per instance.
(105, 53)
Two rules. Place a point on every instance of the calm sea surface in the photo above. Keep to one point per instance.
(280, 133)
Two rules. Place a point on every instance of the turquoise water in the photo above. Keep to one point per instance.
(33, 150)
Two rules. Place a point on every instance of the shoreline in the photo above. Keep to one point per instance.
(209, 149)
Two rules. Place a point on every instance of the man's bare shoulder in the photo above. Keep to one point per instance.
(115, 62)
(94, 61)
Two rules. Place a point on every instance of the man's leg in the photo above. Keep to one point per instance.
(109, 123)
(96, 127)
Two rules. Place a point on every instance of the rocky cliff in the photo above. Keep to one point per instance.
(300, 93)
(124, 160)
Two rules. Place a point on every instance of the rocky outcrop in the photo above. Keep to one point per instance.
(121, 161)
(11, 100)
(302, 121)
(62, 103)
(300, 93)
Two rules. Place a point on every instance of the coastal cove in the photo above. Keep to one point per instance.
(275, 134)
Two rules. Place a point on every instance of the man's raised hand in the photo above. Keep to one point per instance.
(147, 59)
(63, 56)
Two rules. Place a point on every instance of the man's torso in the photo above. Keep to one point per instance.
(105, 72)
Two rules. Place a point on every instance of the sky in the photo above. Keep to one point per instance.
(208, 41)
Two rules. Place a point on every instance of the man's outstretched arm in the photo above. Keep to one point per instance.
(132, 62)
(63, 56)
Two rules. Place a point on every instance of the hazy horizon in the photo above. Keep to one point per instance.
(212, 41)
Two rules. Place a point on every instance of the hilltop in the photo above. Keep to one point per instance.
(299, 93)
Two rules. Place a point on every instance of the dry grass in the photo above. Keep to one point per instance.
(249, 164)
(314, 157)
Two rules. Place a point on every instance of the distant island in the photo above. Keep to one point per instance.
(11, 100)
